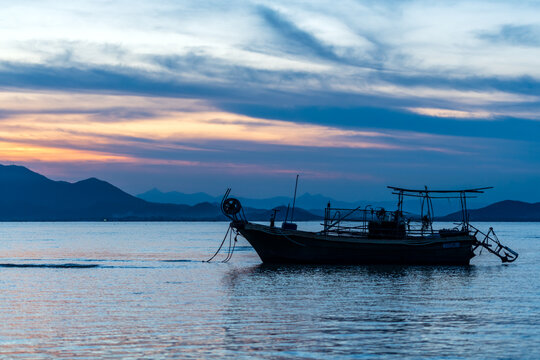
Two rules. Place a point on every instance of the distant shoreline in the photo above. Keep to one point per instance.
(27, 196)
(225, 221)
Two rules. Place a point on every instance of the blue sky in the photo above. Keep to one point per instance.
(199, 96)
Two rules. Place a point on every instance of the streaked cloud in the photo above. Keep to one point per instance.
(454, 114)
(27, 153)
(164, 122)
(298, 42)
(271, 86)
(514, 35)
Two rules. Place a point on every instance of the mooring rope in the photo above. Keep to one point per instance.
(232, 245)
(231, 248)
(220, 246)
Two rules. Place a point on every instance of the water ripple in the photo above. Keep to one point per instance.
(150, 298)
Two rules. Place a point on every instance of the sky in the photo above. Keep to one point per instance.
(204, 95)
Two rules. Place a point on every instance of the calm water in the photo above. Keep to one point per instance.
(139, 290)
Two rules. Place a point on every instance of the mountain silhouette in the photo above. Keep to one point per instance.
(175, 197)
(28, 196)
(507, 210)
(306, 201)
(314, 203)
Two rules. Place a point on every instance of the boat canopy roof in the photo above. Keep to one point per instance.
(426, 191)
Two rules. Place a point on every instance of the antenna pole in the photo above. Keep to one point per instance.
(294, 199)
(287, 214)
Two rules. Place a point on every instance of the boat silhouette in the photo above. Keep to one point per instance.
(370, 235)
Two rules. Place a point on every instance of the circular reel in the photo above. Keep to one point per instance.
(231, 206)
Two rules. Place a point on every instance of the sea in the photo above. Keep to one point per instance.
(132, 290)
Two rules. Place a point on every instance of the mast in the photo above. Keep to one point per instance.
(294, 199)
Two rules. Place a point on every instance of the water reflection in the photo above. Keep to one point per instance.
(382, 278)
(380, 307)
(145, 295)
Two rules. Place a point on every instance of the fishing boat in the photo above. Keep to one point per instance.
(367, 235)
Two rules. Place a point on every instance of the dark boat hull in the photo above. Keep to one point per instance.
(276, 245)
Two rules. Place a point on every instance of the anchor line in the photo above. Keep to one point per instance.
(231, 248)
(220, 246)
(232, 245)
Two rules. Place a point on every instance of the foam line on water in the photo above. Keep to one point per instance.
(126, 267)
(58, 266)
(72, 266)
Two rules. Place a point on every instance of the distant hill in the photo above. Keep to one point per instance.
(299, 214)
(507, 210)
(28, 196)
(305, 201)
(175, 197)
(314, 203)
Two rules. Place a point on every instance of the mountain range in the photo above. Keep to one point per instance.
(306, 201)
(507, 210)
(314, 203)
(28, 196)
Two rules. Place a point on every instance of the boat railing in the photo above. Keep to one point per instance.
(357, 221)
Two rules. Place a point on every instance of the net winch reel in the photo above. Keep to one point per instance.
(232, 208)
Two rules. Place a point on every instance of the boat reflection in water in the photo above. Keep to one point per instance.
(370, 236)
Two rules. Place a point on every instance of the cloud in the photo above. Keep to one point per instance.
(526, 85)
(217, 83)
(24, 152)
(386, 55)
(366, 118)
(454, 114)
(237, 85)
(172, 133)
(166, 124)
(516, 35)
(316, 86)
(368, 52)
(298, 41)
